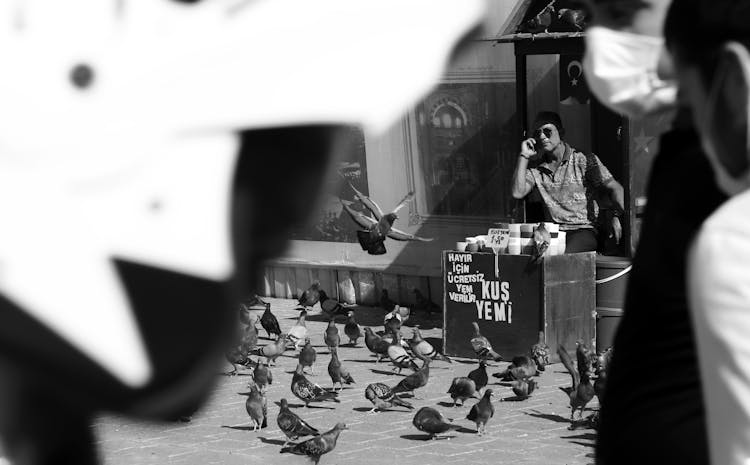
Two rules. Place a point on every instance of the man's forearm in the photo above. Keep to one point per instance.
(519, 178)
(617, 194)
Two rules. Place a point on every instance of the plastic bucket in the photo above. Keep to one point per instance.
(611, 281)
(607, 321)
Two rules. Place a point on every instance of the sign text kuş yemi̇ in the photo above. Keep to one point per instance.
(491, 297)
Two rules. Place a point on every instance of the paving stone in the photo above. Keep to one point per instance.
(533, 431)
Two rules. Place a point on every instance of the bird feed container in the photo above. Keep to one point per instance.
(513, 299)
(611, 282)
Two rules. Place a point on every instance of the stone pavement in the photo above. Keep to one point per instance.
(532, 431)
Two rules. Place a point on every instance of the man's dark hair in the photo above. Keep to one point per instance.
(621, 12)
(694, 31)
(548, 117)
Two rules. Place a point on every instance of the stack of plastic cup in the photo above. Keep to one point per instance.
(561, 242)
(471, 244)
(527, 238)
(554, 243)
(514, 241)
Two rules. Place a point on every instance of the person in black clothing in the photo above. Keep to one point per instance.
(652, 410)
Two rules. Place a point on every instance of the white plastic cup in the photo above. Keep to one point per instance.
(471, 244)
(515, 229)
(461, 246)
(561, 242)
(514, 245)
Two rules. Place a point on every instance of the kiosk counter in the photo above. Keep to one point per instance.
(513, 299)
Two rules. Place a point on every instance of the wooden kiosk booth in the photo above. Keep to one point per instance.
(559, 296)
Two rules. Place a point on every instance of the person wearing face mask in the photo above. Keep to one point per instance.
(623, 54)
(652, 410)
(567, 181)
(710, 42)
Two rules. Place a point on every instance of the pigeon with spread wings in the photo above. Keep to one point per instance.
(372, 237)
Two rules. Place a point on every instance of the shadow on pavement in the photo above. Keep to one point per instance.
(424, 437)
(548, 416)
(240, 428)
(387, 373)
(275, 442)
(448, 404)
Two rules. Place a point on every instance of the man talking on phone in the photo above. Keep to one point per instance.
(567, 181)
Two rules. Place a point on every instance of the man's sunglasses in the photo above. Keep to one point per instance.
(547, 133)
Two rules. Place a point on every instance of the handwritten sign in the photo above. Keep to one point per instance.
(498, 239)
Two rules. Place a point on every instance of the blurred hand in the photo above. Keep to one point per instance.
(616, 229)
(528, 148)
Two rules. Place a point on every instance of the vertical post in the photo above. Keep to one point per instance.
(521, 110)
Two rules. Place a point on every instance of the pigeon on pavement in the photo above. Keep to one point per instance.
(383, 397)
(423, 348)
(338, 373)
(262, 376)
(311, 296)
(292, 425)
(481, 412)
(479, 375)
(482, 346)
(462, 388)
(308, 391)
(269, 322)
(331, 335)
(352, 329)
(307, 356)
(298, 332)
(256, 407)
(317, 446)
(431, 421)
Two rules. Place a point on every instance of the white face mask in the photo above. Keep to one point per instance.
(620, 69)
(710, 132)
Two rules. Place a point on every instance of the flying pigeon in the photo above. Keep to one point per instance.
(375, 230)
(317, 446)
(383, 397)
(292, 425)
(132, 90)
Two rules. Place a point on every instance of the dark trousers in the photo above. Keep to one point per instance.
(580, 240)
